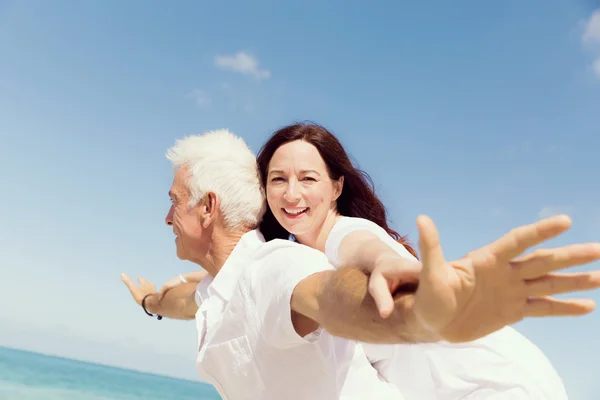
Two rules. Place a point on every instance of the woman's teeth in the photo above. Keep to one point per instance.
(296, 211)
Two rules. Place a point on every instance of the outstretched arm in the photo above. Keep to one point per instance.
(340, 302)
(191, 277)
(369, 253)
(496, 285)
(456, 301)
(176, 303)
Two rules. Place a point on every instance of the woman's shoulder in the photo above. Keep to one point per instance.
(347, 225)
(344, 224)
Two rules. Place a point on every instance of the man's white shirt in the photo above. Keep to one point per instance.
(247, 345)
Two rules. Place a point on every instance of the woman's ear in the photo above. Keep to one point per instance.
(338, 187)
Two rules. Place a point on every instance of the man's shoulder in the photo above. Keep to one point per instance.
(278, 258)
(280, 248)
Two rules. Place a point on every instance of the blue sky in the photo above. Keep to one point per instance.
(481, 117)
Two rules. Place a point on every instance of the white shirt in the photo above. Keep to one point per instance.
(247, 346)
(504, 365)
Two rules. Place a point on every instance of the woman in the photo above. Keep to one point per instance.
(318, 198)
(315, 194)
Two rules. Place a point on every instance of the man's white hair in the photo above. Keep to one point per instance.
(221, 162)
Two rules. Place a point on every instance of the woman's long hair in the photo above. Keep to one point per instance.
(358, 197)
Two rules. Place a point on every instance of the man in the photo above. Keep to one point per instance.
(273, 318)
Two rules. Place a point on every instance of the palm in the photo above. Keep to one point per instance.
(439, 296)
(138, 292)
(490, 288)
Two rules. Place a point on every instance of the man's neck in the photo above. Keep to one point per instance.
(223, 242)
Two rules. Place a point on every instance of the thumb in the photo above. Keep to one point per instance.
(126, 280)
(133, 289)
(380, 291)
(432, 256)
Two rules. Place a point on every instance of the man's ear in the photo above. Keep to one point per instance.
(338, 186)
(210, 209)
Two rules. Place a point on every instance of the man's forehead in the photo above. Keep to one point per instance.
(179, 187)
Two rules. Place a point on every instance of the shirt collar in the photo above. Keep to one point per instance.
(224, 283)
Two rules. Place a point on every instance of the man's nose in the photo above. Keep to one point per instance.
(169, 217)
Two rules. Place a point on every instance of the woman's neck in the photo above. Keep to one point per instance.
(318, 237)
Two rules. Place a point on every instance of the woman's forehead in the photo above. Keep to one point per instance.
(297, 154)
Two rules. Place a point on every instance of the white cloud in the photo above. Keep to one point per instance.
(591, 36)
(591, 31)
(201, 98)
(596, 67)
(550, 211)
(498, 212)
(243, 63)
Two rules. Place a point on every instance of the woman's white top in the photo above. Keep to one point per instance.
(504, 365)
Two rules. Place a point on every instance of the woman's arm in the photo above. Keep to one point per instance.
(365, 250)
(193, 277)
(189, 277)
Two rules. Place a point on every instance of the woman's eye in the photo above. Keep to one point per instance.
(277, 179)
(308, 178)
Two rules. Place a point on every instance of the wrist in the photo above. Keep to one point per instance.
(385, 257)
(150, 305)
(429, 330)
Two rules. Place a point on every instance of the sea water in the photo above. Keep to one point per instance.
(32, 376)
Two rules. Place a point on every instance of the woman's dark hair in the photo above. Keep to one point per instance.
(358, 197)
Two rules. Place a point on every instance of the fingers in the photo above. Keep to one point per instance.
(146, 285)
(520, 239)
(133, 289)
(549, 307)
(127, 281)
(544, 261)
(563, 283)
(386, 279)
(172, 282)
(380, 291)
(432, 256)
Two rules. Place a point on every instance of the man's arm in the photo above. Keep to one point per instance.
(177, 303)
(458, 301)
(339, 301)
(463, 300)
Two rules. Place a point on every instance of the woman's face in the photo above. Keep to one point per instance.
(300, 192)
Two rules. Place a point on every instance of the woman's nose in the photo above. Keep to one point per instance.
(292, 194)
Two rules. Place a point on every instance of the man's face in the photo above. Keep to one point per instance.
(186, 221)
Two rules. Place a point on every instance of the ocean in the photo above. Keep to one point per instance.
(32, 376)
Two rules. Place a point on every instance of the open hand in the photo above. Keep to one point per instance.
(138, 291)
(490, 288)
